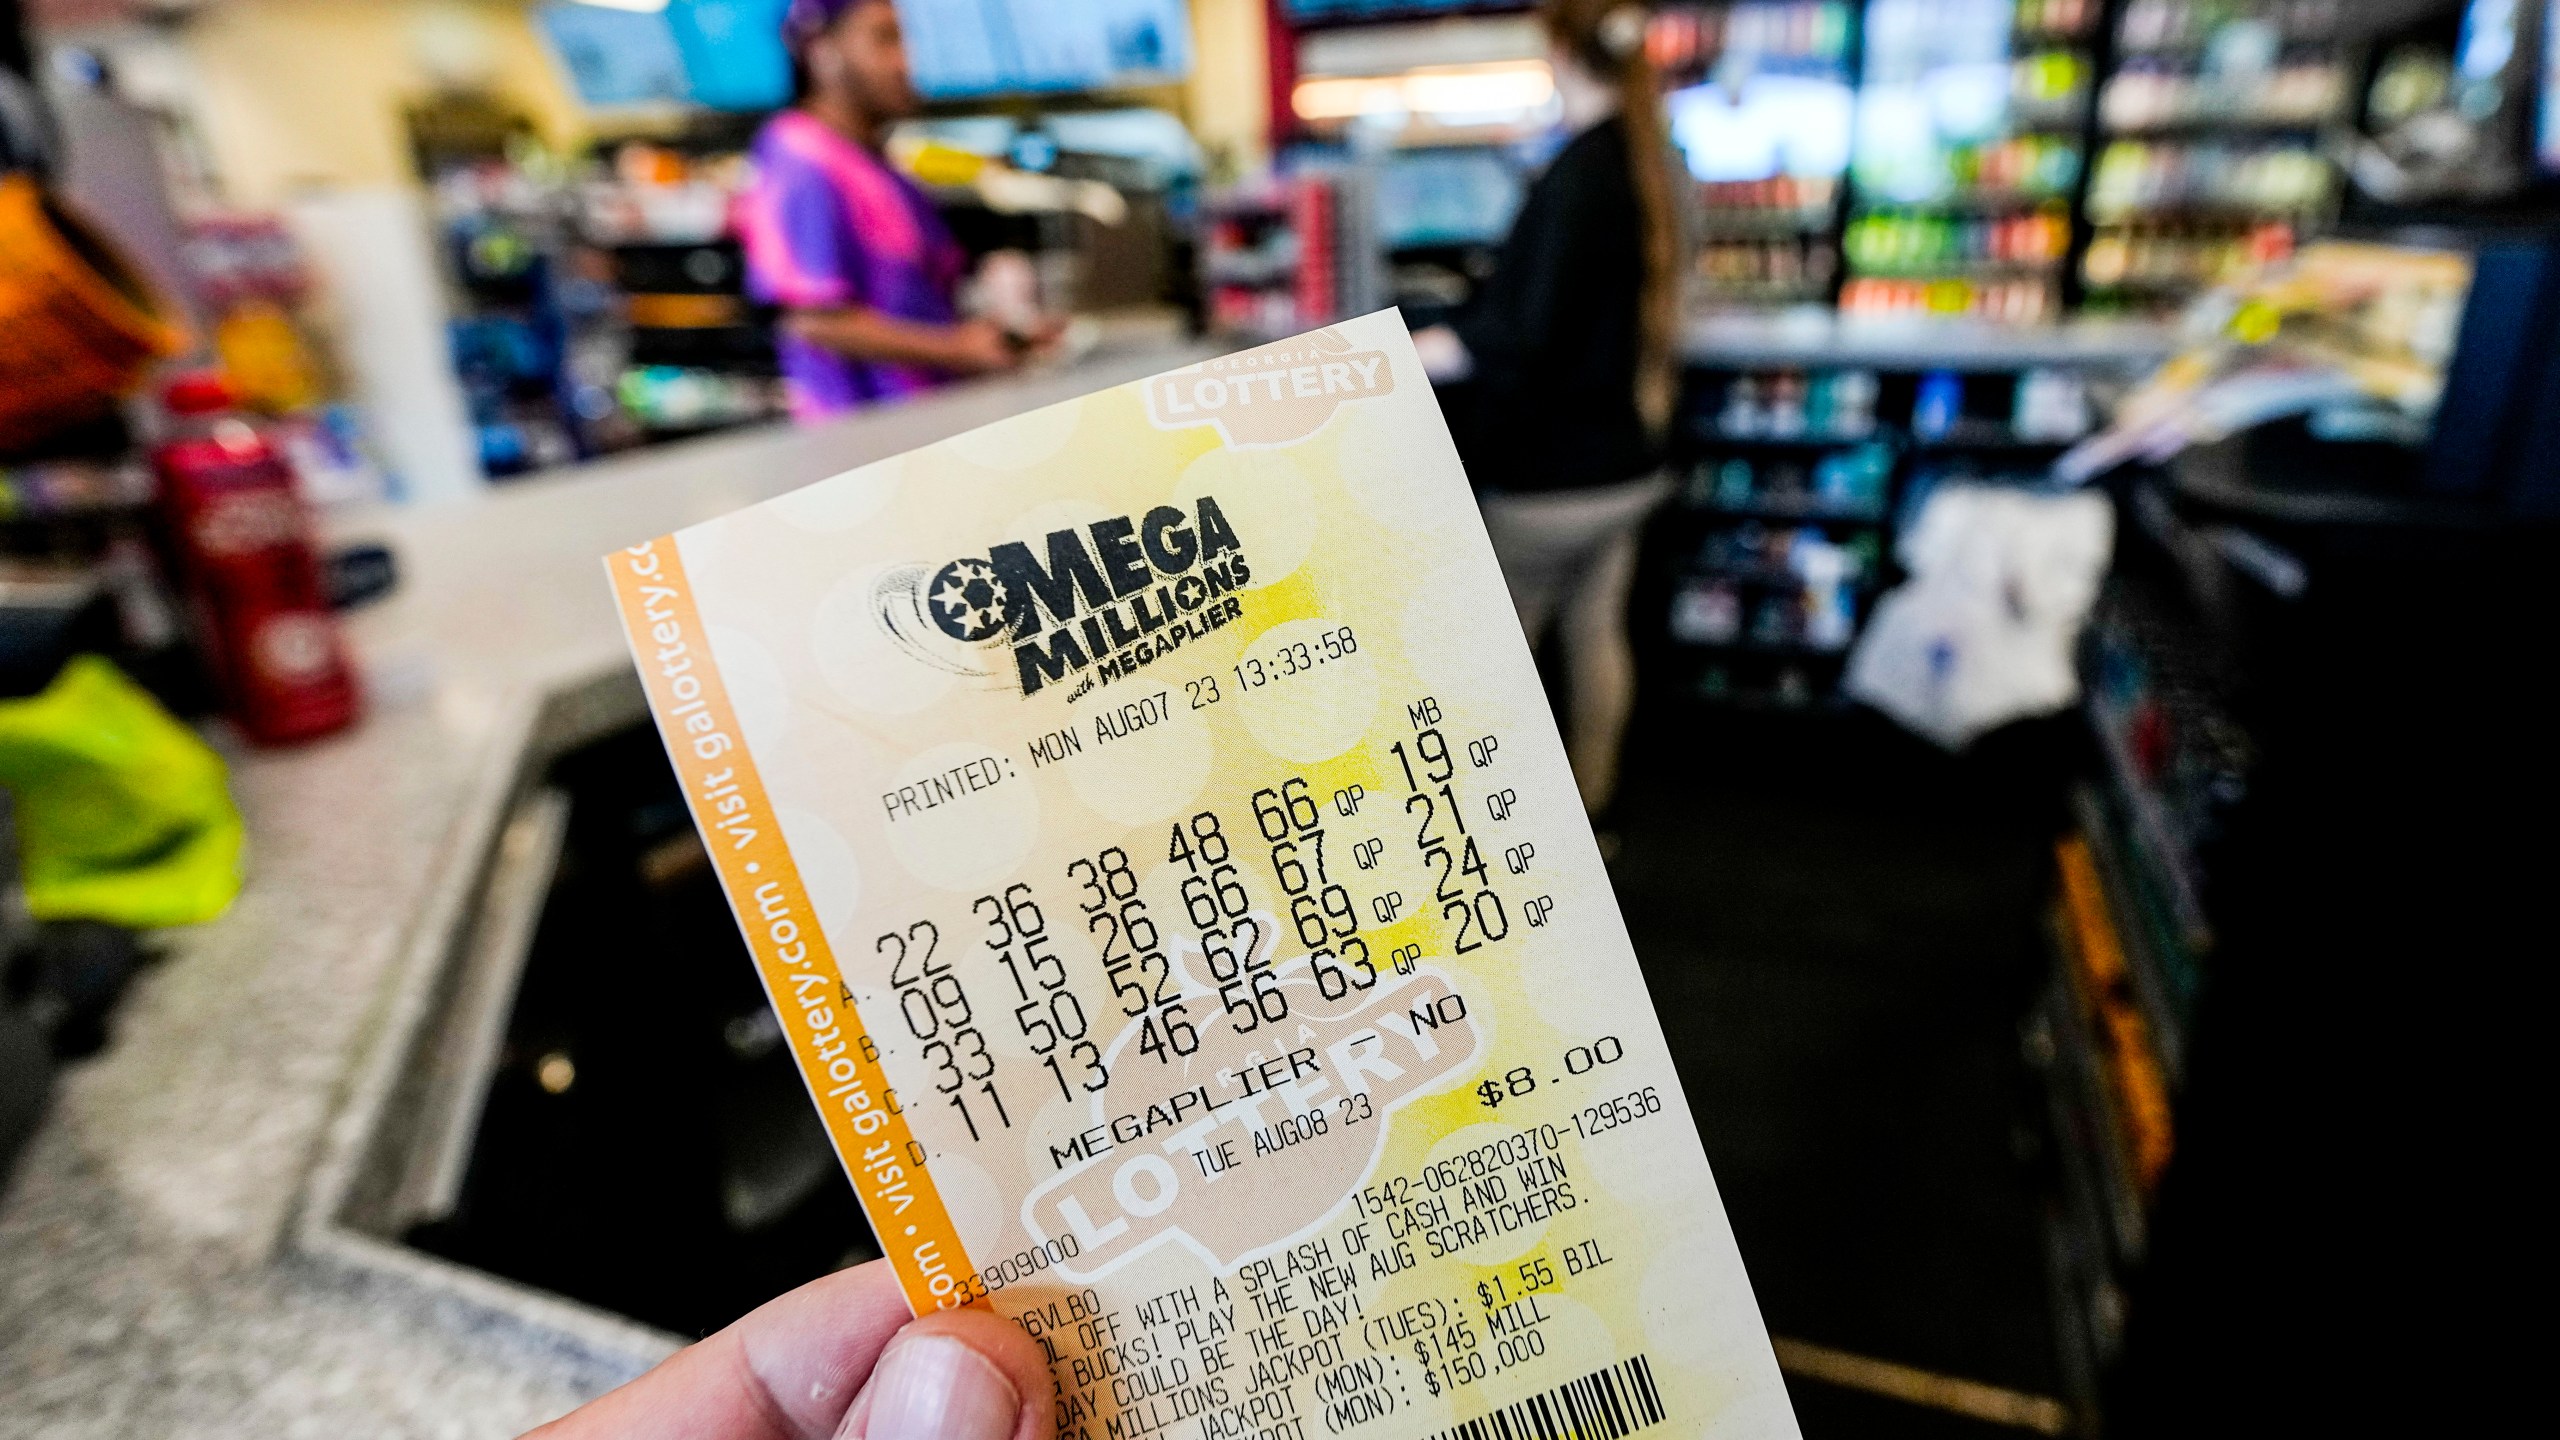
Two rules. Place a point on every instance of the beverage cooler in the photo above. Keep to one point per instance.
(2215, 127)
(1760, 98)
(1971, 145)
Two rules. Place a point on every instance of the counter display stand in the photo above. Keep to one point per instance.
(1801, 451)
(2278, 1035)
(2132, 935)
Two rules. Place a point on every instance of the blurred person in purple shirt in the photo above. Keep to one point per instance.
(852, 251)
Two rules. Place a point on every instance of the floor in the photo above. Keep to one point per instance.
(1839, 925)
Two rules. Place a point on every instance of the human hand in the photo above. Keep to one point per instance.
(836, 1359)
(979, 346)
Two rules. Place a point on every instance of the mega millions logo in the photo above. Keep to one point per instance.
(1088, 606)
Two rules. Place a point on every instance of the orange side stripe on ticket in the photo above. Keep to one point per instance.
(799, 972)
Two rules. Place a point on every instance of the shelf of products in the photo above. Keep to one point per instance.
(1275, 256)
(2177, 762)
(507, 233)
(2133, 936)
(1760, 94)
(1780, 205)
(601, 304)
(1971, 141)
(2212, 159)
(1905, 243)
(2111, 1083)
(689, 353)
(1781, 531)
(1794, 479)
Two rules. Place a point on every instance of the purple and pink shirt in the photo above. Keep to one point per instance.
(828, 225)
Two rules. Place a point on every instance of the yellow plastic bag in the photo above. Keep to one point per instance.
(123, 814)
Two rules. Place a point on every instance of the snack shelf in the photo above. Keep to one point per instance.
(2090, 1117)
(2080, 1241)
(1806, 521)
(1722, 439)
(1730, 224)
(1769, 577)
(2139, 934)
(2155, 834)
(2214, 114)
(1971, 215)
(1792, 650)
(1780, 515)
(1765, 194)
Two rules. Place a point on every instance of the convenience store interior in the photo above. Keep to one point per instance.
(2100, 1005)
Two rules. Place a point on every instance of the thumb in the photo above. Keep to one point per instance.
(955, 1375)
(835, 1358)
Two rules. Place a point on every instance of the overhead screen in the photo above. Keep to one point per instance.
(728, 54)
(1320, 11)
(615, 58)
(961, 48)
(723, 54)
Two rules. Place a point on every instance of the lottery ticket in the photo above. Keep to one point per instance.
(1150, 829)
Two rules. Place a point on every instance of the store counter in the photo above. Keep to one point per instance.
(1823, 338)
(172, 1252)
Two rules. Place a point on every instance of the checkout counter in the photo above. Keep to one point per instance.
(206, 1235)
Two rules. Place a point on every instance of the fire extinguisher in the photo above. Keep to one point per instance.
(243, 546)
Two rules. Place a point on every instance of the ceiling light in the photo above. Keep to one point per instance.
(1444, 90)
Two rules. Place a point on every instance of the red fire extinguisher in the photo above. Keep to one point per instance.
(243, 542)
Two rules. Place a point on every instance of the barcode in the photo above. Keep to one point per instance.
(1611, 1401)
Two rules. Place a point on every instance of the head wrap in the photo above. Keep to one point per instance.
(806, 20)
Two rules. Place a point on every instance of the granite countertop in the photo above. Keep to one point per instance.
(151, 1283)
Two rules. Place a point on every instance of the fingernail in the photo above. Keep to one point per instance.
(931, 1387)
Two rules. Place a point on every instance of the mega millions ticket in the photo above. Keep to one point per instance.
(1150, 829)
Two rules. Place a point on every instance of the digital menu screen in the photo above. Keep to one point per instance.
(615, 58)
(1334, 10)
(2547, 122)
(962, 48)
(729, 55)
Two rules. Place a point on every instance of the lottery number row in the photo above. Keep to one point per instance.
(1243, 991)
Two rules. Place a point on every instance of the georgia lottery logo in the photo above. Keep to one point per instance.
(1084, 607)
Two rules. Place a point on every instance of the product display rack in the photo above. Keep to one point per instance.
(2132, 938)
(686, 353)
(2213, 159)
(1797, 466)
(1285, 255)
(505, 235)
(2279, 904)
(1965, 208)
(1770, 240)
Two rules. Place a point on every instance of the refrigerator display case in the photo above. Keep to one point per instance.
(2214, 159)
(1969, 150)
(1761, 97)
